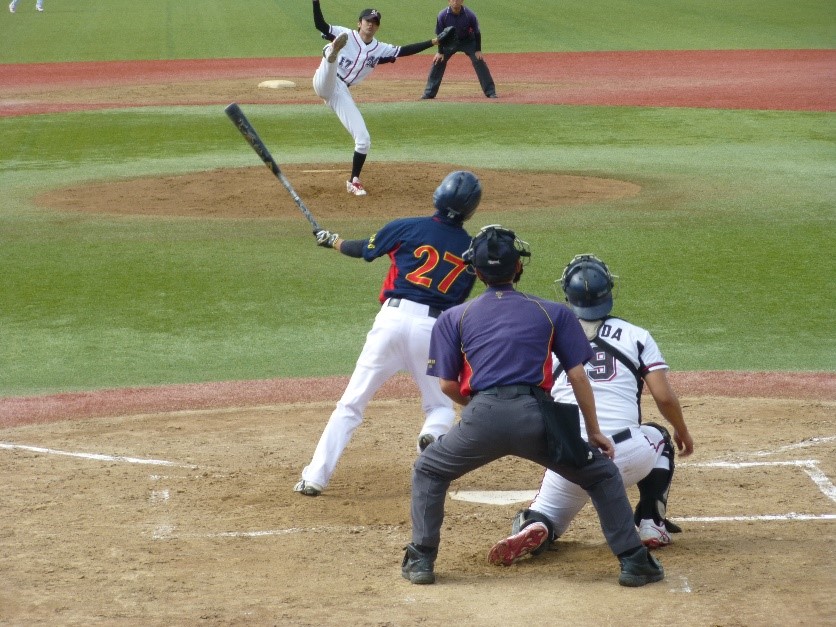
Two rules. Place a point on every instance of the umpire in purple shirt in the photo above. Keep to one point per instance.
(468, 39)
(493, 354)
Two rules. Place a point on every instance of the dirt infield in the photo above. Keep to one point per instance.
(174, 505)
(188, 516)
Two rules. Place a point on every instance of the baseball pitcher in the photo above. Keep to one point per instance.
(350, 57)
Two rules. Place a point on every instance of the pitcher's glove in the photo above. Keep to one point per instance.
(446, 35)
(325, 238)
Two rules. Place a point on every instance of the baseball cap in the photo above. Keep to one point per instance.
(371, 15)
(494, 252)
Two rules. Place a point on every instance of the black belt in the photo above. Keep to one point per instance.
(509, 391)
(432, 312)
(621, 436)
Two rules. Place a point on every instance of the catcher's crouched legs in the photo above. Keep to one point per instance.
(531, 533)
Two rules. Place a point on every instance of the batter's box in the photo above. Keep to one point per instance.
(775, 490)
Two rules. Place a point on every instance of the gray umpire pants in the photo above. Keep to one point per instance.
(492, 427)
(468, 47)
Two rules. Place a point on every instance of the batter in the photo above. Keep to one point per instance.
(427, 276)
(350, 57)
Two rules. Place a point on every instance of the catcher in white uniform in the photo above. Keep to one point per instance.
(626, 358)
(348, 60)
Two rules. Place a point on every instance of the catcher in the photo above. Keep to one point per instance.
(626, 358)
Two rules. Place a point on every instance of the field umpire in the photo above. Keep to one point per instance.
(494, 355)
(467, 39)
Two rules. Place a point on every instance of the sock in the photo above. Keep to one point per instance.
(357, 164)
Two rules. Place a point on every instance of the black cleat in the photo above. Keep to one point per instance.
(418, 565)
(639, 569)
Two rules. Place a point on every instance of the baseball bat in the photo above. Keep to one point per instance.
(241, 122)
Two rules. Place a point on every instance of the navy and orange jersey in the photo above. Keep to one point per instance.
(426, 255)
(505, 337)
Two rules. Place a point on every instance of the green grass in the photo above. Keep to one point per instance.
(722, 255)
(725, 254)
(85, 30)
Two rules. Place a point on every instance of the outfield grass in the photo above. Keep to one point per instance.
(86, 30)
(726, 254)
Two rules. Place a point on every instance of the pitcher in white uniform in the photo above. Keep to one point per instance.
(39, 6)
(626, 357)
(348, 60)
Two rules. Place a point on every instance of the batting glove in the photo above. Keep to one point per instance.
(326, 238)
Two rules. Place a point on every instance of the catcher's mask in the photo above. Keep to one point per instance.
(587, 284)
(458, 195)
(494, 252)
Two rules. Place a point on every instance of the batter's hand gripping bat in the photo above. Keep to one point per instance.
(240, 120)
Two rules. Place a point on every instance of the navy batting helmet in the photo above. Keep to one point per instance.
(588, 284)
(458, 195)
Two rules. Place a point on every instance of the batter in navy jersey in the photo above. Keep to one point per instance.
(427, 275)
(494, 355)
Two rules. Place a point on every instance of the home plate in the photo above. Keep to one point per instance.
(276, 84)
(494, 497)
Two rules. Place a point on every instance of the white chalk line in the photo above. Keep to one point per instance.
(792, 516)
(166, 532)
(809, 466)
(791, 447)
(92, 456)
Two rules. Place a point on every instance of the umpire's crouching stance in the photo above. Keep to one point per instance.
(494, 355)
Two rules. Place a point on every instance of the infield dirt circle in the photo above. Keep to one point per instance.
(174, 505)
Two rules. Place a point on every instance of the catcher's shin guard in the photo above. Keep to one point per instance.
(654, 488)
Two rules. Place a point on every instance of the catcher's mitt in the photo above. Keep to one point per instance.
(446, 35)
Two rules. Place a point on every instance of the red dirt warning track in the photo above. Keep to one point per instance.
(799, 80)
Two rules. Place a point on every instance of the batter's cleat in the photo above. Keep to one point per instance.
(417, 564)
(653, 536)
(308, 488)
(337, 45)
(424, 440)
(507, 551)
(12, 7)
(354, 186)
(640, 569)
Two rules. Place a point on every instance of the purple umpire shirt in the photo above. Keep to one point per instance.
(505, 337)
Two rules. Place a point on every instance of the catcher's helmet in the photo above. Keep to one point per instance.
(458, 195)
(588, 284)
(494, 252)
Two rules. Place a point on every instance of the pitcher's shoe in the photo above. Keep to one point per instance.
(336, 45)
(640, 568)
(653, 536)
(507, 551)
(308, 488)
(354, 186)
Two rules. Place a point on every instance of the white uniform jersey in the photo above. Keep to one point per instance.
(358, 58)
(616, 388)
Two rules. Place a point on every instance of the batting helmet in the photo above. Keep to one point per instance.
(588, 284)
(458, 195)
